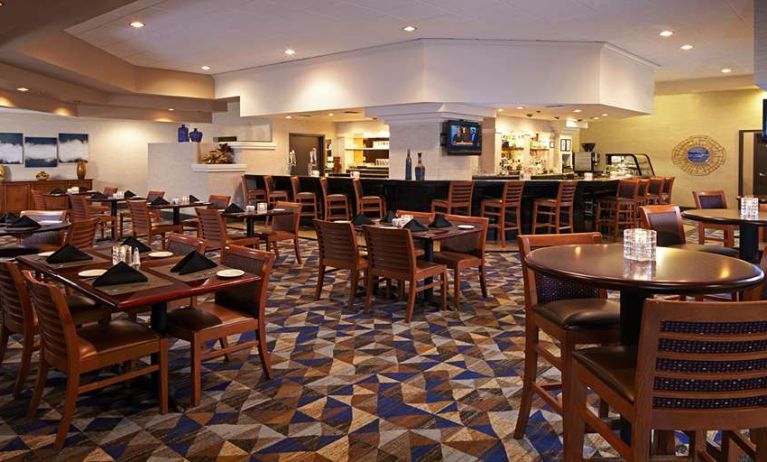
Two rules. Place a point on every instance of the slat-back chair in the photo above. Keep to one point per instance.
(506, 211)
(553, 210)
(458, 200)
(339, 249)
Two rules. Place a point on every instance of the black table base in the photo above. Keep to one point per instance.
(749, 243)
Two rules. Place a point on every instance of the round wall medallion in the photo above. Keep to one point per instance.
(698, 155)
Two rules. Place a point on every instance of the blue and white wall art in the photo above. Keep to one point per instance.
(73, 147)
(11, 148)
(40, 152)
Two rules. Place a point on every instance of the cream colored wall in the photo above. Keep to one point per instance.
(718, 114)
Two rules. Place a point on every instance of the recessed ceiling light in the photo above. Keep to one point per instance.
(666, 33)
(500, 109)
(726, 70)
(604, 114)
(331, 114)
(137, 24)
(520, 107)
(171, 109)
(2, 3)
(23, 89)
(686, 47)
(409, 28)
(290, 52)
(288, 117)
(205, 68)
(577, 110)
(595, 118)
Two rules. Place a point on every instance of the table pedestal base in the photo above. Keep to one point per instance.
(632, 301)
(749, 243)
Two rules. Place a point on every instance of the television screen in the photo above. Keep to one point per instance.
(764, 120)
(463, 137)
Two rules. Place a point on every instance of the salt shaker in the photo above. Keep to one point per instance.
(136, 259)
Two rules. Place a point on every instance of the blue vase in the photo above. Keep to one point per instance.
(195, 136)
(183, 134)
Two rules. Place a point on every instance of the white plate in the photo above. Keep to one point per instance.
(230, 273)
(45, 254)
(160, 254)
(342, 221)
(278, 210)
(93, 273)
(465, 226)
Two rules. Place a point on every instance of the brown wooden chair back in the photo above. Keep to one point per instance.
(140, 217)
(666, 221)
(181, 244)
(324, 187)
(358, 193)
(423, 217)
(474, 243)
(80, 207)
(566, 192)
(14, 299)
(58, 339)
(668, 186)
(540, 288)
(710, 199)
(391, 253)
(212, 226)
(295, 185)
(512, 193)
(45, 215)
(268, 184)
(703, 365)
(110, 190)
(82, 234)
(656, 186)
(38, 199)
(460, 192)
(219, 201)
(628, 189)
(644, 184)
(152, 195)
(248, 193)
(251, 298)
(289, 222)
(338, 244)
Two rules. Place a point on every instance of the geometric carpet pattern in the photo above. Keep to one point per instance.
(348, 385)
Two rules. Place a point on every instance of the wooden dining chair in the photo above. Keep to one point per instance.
(283, 228)
(375, 205)
(339, 249)
(505, 213)
(616, 213)
(308, 200)
(273, 195)
(216, 235)
(182, 244)
(38, 199)
(46, 240)
(79, 351)
(666, 221)
(110, 190)
(215, 201)
(568, 312)
(699, 366)
(713, 200)
(334, 206)
(460, 253)
(251, 195)
(391, 255)
(18, 317)
(668, 186)
(144, 224)
(237, 310)
(554, 210)
(82, 210)
(458, 199)
(422, 217)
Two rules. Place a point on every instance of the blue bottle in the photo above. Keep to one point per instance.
(195, 136)
(408, 166)
(183, 134)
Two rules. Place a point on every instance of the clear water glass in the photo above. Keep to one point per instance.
(261, 207)
(749, 207)
(639, 244)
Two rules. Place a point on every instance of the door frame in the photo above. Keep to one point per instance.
(323, 155)
(741, 135)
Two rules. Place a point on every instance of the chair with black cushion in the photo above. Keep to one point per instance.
(699, 366)
(615, 213)
(713, 200)
(505, 213)
(235, 311)
(570, 313)
(339, 249)
(557, 213)
(655, 190)
(666, 221)
(369, 205)
(668, 186)
(458, 200)
(334, 206)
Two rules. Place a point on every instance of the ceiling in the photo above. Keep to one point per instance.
(236, 34)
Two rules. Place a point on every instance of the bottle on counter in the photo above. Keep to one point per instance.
(183, 134)
(408, 166)
(420, 169)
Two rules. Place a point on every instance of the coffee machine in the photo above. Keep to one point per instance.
(586, 160)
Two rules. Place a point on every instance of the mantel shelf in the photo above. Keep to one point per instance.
(219, 168)
(253, 145)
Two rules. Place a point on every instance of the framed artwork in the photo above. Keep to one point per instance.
(11, 148)
(698, 155)
(73, 147)
(565, 145)
(40, 152)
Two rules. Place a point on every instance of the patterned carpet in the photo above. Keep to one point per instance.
(348, 385)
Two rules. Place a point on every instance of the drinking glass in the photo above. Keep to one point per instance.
(262, 206)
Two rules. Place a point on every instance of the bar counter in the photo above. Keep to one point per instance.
(417, 195)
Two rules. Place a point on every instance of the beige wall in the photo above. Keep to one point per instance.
(718, 114)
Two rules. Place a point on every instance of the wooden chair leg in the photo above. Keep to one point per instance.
(355, 276)
(163, 373)
(759, 437)
(369, 292)
(502, 227)
(320, 282)
(297, 248)
(456, 288)
(196, 366)
(482, 280)
(4, 336)
(263, 353)
(640, 442)
(225, 344)
(37, 394)
(411, 300)
(70, 401)
(528, 378)
(574, 424)
(701, 234)
(28, 347)
(443, 292)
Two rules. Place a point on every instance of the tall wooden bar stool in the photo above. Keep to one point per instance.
(654, 190)
(273, 195)
(368, 204)
(306, 200)
(570, 313)
(642, 199)
(699, 366)
(335, 206)
(557, 212)
(619, 211)
(458, 200)
(713, 200)
(668, 186)
(505, 214)
(252, 195)
(339, 249)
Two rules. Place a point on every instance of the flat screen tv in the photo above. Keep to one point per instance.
(464, 138)
(764, 120)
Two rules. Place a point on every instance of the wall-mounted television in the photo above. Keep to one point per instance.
(463, 138)
(764, 120)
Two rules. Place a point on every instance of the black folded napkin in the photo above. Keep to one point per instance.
(97, 195)
(159, 201)
(193, 199)
(82, 189)
(440, 222)
(361, 219)
(7, 218)
(57, 191)
(233, 208)
(136, 244)
(389, 217)
(24, 222)
(67, 254)
(416, 227)
(193, 262)
(121, 273)
(129, 194)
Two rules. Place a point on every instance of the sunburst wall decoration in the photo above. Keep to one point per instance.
(699, 155)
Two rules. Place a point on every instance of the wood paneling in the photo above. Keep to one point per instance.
(16, 196)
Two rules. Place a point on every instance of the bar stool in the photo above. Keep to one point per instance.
(654, 190)
(641, 199)
(554, 209)
(375, 204)
(252, 196)
(273, 195)
(668, 185)
(713, 200)
(508, 206)
(619, 211)
(335, 206)
(306, 200)
(458, 199)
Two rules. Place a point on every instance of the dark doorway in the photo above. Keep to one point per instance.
(760, 165)
(302, 145)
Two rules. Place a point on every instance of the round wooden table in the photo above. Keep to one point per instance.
(14, 251)
(749, 227)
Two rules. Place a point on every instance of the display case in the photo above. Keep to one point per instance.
(638, 164)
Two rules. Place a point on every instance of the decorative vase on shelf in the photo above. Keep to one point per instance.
(183, 134)
(408, 166)
(420, 169)
(42, 175)
(195, 136)
(80, 169)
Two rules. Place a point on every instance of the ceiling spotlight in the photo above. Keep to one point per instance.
(500, 109)
(137, 24)
(171, 109)
(23, 89)
(205, 68)
(290, 52)
(686, 47)
(409, 28)
(577, 110)
(666, 33)
(520, 107)
(595, 118)
(604, 114)
(726, 70)
(331, 114)
(2, 4)
(288, 117)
